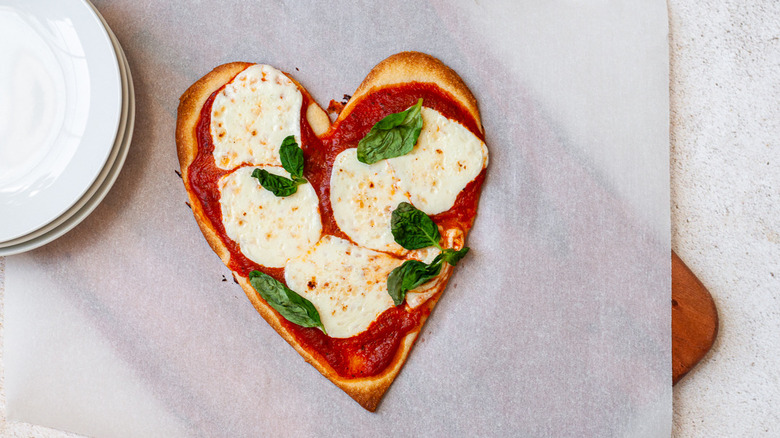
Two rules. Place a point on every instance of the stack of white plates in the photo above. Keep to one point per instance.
(67, 110)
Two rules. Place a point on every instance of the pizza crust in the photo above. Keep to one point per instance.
(401, 68)
(406, 67)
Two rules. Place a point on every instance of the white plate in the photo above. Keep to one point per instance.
(99, 190)
(60, 109)
(126, 124)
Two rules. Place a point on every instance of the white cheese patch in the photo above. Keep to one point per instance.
(446, 158)
(269, 230)
(252, 115)
(363, 198)
(346, 283)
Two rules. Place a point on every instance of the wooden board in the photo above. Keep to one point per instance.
(694, 319)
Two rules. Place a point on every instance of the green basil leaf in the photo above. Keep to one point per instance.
(412, 228)
(293, 307)
(393, 136)
(409, 275)
(291, 156)
(452, 256)
(278, 185)
(292, 161)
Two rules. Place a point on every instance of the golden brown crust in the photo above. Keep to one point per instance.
(398, 69)
(408, 67)
(190, 105)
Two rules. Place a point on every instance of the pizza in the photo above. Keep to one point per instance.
(342, 234)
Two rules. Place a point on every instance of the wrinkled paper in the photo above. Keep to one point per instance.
(556, 324)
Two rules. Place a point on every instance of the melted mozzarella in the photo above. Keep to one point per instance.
(446, 158)
(363, 198)
(269, 230)
(252, 115)
(346, 283)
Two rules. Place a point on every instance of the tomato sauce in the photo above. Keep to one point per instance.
(370, 352)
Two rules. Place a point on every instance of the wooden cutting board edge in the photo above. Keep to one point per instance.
(694, 320)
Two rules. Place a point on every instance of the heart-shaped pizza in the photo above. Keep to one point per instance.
(343, 235)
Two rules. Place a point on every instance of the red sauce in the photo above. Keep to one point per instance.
(370, 352)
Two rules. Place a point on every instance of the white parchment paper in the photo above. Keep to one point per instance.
(556, 324)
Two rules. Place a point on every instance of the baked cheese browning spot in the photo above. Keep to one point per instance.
(446, 158)
(269, 230)
(348, 284)
(252, 115)
(363, 197)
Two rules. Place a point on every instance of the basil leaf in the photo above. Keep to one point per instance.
(291, 156)
(292, 161)
(452, 256)
(409, 275)
(278, 185)
(412, 228)
(393, 136)
(293, 307)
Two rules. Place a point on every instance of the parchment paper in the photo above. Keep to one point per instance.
(556, 324)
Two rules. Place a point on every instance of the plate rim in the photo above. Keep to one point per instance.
(91, 165)
(102, 190)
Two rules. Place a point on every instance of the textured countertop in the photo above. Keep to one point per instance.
(725, 182)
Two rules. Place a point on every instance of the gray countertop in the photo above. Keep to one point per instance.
(725, 183)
